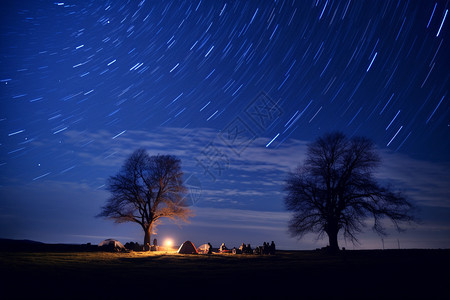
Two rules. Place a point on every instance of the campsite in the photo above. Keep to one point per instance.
(62, 273)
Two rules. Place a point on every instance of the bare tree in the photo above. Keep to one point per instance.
(334, 189)
(146, 189)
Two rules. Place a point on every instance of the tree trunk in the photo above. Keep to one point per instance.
(333, 240)
(147, 237)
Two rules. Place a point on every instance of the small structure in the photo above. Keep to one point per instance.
(154, 247)
(187, 248)
(111, 245)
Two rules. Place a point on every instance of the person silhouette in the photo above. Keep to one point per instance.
(272, 248)
(223, 247)
(242, 248)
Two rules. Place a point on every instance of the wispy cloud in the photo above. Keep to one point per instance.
(425, 182)
(241, 218)
(101, 149)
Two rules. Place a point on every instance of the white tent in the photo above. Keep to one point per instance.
(111, 243)
(203, 249)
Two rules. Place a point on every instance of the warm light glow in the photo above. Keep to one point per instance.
(168, 243)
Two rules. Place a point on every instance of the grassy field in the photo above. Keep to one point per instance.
(393, 274)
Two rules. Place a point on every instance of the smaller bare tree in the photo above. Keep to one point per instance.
(146, 189)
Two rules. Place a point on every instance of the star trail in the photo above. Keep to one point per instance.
(83, 82)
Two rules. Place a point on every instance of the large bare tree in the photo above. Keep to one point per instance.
(335, 190)
(146, 189)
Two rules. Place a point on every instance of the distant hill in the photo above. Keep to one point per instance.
(17, 245)
(11, 241)
(11, 245)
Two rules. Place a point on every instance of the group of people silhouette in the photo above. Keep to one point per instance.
(245, 249)
(266, 248)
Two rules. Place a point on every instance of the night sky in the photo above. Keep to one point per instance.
(236, 90)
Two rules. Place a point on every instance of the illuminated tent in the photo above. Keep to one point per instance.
(203, 249)
(112, 244)
(187, 248)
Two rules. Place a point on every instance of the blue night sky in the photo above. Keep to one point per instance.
(236, 90)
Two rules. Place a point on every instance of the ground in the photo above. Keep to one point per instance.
(393, 274)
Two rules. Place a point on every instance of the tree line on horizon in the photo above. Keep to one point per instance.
(333, 191)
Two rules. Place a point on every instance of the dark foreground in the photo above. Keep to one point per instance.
(388, 274)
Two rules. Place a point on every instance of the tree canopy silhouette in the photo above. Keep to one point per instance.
(146, 189)
(334, 190)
